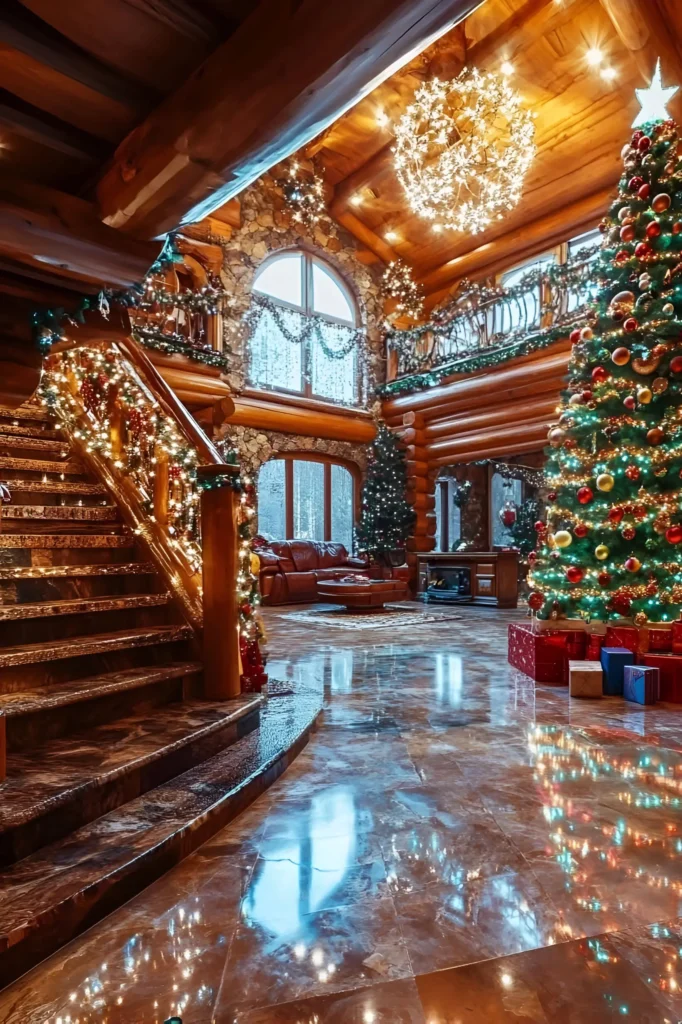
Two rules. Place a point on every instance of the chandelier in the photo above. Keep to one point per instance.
(462, 150)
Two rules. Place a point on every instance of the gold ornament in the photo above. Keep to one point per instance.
(605, 482)
(644, 396)
(641, 619)
(462, 150)
(601, 552)
(659, 385)
(563, 539)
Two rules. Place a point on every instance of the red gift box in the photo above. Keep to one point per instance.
(576, 641)
(594, 646)
(622, 636)
(541, 656)
(676, 633)
(656, 641)
(670, 667)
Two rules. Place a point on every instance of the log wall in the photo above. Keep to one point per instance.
(493, 413)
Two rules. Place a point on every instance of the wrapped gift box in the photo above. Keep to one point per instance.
(586, 678)
(641, 684)
(676, 635)
(595, 642)
(542, 657)
(658, 641)
(670, 667)
(613, 661)
(622, 636)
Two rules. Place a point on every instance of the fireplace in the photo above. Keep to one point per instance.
(449, 583)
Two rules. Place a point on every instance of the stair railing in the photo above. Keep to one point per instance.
(174, 489)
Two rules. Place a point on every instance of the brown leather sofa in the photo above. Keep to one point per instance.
(291, 569)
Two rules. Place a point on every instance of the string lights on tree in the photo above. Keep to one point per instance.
(611, 544)
(463, 149)
(387, 517)
(399, 286)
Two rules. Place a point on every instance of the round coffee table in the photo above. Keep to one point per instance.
(362, 597)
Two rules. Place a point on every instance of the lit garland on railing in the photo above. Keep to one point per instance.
(460, 338)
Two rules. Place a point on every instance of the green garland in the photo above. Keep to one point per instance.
(176, 344)
(307, 328)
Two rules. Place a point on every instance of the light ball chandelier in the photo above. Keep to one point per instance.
(462, 150)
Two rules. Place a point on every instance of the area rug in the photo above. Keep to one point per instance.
(388, 619)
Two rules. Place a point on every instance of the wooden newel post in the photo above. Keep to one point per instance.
(220, 567)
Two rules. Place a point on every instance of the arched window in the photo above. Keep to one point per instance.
(301, 499)
(304, 336)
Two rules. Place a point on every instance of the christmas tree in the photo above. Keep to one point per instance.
(387, 518)
(611, 546)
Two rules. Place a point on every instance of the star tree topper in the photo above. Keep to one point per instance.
(654, 100)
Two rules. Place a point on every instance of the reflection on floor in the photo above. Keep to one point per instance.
(453, 847)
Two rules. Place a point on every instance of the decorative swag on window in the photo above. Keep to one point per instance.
(302, 330)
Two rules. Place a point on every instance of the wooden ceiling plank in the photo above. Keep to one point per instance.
(26, 32)
(366, 236)
(642, 30)
(286, 73)
(33, 123)
(50, 228)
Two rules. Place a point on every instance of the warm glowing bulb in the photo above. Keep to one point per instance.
(608, 74)
(382, 118)
(391, 236)
(594, 56)
(507, 68)
(356, 199)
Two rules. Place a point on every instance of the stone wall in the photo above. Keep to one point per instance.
(267, 227)
(254, 447)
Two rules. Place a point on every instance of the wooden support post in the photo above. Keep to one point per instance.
(161, 487)
(220, 567)
(3, 748)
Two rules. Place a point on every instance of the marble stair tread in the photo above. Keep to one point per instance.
(21, 610)
(24, 431)
(62, 889)
(87, 513)
(60, 449)
(26, 412)
(70, 468)
(66, 540)
(95, 643)
(47, 572)
(57, 695)
(63, 770)
(55, 487)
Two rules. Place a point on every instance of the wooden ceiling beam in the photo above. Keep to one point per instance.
(508, 34)
(24, 31)
(32, 123)
(366, 236)
(519, 244)
(643, 31)
(43, 226)
(286, 73)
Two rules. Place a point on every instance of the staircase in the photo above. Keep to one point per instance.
(100, 699)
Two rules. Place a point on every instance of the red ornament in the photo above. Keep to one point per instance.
(622, 257)
(536, 600)
(587, 396)
(655, 436)
(627, 233)
(574, 337)
(644, 192)
(635, 183)
(676, 365)
(540, 526)
(654, 229)
(552, 496)
(615, 515)
(621, 604)
(628, 533)
(632, 564)
(600, 374)
(639, 512)
(574, 574)
(585, 495)
(644, 144)
(642, 250)
(677, 227)
(630, 402)
(580, 530)
(507, 516)
(604, 579)
(633, 473)
(630, 324)
(673, 535)
(532, 556)
(661, 203)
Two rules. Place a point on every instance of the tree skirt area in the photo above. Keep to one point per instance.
(390, 615)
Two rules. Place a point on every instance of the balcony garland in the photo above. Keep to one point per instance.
(472, 302)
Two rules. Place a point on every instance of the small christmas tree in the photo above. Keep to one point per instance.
(387, 518)
(611, 546)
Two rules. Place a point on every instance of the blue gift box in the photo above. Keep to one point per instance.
(641, 684)
(614, 661)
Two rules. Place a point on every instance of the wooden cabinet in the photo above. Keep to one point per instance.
(493, 574)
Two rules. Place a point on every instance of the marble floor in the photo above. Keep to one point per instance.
(454, 846)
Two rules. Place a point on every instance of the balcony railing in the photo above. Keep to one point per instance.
(480, 320)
